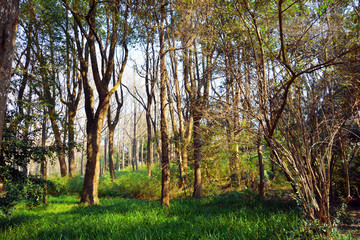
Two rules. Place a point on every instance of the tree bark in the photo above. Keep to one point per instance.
(111, 154)
(197, 157)
(71, 145)
(165, 180)
(9, 14)
(92, 173)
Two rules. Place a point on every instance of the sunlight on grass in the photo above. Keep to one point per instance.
(222, 217)
(124, 214)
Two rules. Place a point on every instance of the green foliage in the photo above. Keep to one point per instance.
(18, 149)
(18, 188)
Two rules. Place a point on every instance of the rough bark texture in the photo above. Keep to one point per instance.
(91, 180)
(165, 180)
(9, 13)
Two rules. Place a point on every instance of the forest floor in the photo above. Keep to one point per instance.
(229, 216)
(235, 215)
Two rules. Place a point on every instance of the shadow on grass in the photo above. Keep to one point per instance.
(8, 222)
(230, 216)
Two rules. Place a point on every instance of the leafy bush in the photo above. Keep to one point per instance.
(18, 188)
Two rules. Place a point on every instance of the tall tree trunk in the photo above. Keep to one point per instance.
(165, 164)
(9, 14)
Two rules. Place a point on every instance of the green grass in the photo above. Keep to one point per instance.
(132, 184)
(129, 210)
(231, 216)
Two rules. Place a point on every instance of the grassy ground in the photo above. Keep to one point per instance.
(130, 210)
(231, 216)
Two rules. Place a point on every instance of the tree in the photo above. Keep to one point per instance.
(9, 13)
(112, 125)
(165, 164)
(117, 17)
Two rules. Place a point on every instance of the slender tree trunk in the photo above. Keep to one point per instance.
(117, 164)
(148, 145)
(82, 159)
(136, 156)
(197, 157)
(123, 157)
(130, 159)
(111, 153)
(134, 147)
(165, 164)
(43, 160)
(261, 166)
(142, 151)
(58, 141)
(345, 164)
(71, 145)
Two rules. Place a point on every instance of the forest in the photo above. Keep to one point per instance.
(179, 119)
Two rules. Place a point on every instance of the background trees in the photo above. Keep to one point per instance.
(232, 91)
